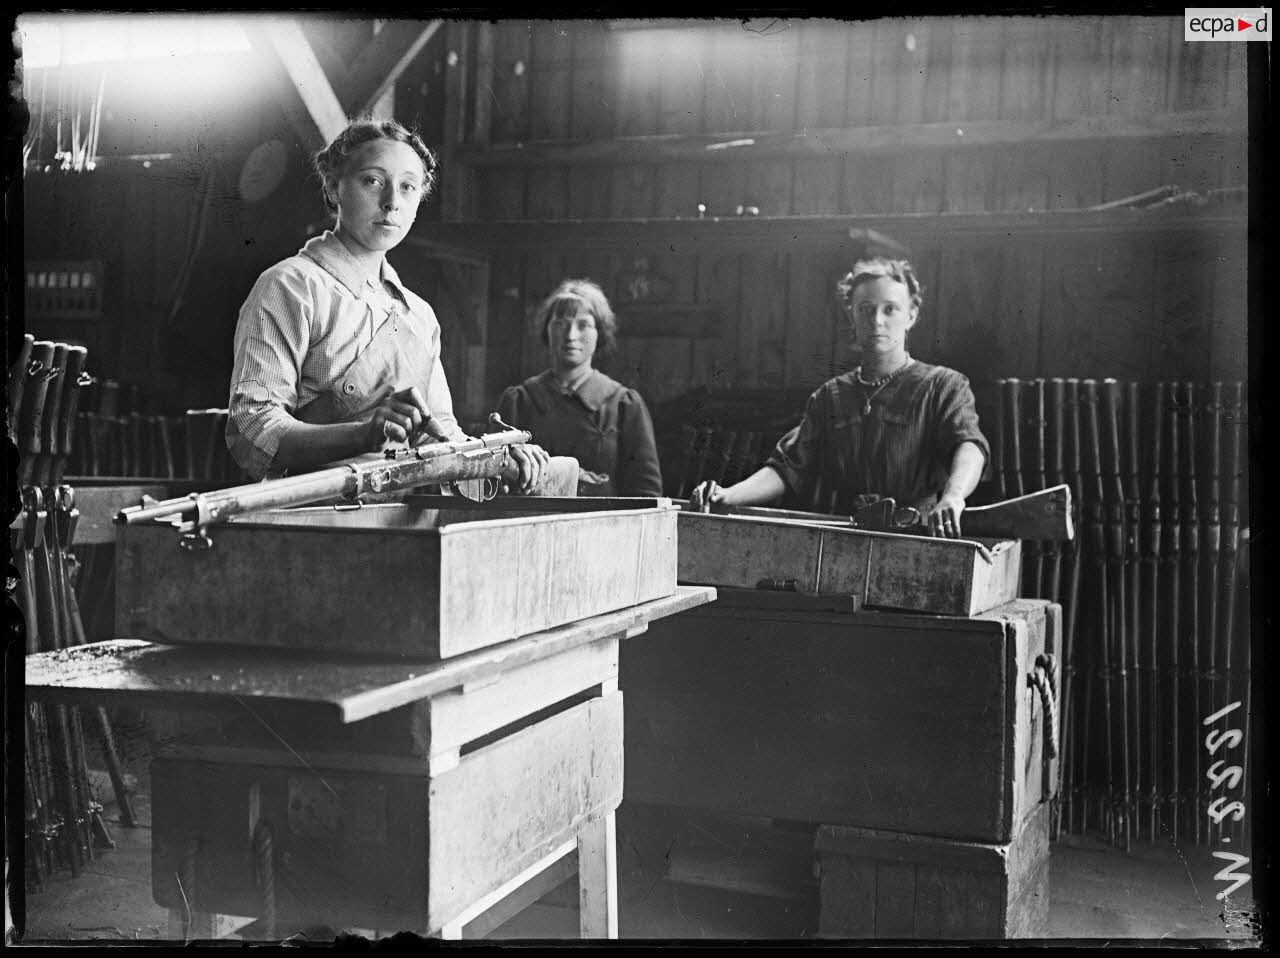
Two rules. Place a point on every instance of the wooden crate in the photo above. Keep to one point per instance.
(883, 570)
(381, 579)
(379, 841)
(905, 722)
(878, 884)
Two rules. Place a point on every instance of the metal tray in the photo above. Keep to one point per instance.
(393, 578)
(879, 569)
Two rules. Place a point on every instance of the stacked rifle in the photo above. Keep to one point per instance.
(1155, 610)
(115, 438)
(64, 823)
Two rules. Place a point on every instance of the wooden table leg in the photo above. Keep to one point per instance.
(598, 879)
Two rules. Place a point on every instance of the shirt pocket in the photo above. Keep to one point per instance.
(897, 418)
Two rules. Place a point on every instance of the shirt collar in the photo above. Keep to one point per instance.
(592, 392)
(327, 250)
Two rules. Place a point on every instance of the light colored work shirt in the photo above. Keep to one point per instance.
(303, 327)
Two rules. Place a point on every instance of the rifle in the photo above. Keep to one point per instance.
(395, 469)
(1072, 770)
(1038, 515)
(1191, 553)
(16, 381)
(1116, 632)
(1094, 544)
(74, 380)
(997, 445)
(1036, 587)
(1212, 540)
(1132, 559)
(1151, 553)
(1053, 554)
(1173, 560)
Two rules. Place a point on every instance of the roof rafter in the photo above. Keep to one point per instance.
(323, 94)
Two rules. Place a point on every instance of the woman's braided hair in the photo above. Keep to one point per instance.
(332, 160)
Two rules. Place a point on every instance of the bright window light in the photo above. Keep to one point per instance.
(50, 40)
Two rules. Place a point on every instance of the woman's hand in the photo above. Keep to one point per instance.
(706, 494)
(944, 519)
(532, 460)
(397, 417)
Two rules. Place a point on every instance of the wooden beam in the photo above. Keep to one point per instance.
(838, 142)
(285, 37)
(457, 198)
(381, 63)
(319, 34)
(287, 95)
(917, 230)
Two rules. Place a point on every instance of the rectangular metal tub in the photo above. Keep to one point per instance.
(881, 569)
(389, 579)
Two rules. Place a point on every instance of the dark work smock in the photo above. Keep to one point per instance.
(903, 448)
(602, 424)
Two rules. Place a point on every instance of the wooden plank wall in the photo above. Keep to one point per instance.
(1137, 307)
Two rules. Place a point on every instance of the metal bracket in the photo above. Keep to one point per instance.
(193, 535)
(197, 541)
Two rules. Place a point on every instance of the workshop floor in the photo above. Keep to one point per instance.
(1156, 891)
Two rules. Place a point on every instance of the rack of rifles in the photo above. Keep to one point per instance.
(64, 823)
(115, 438)
(1153, 588)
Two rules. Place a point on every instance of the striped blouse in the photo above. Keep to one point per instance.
(305, 321)
(903, 448)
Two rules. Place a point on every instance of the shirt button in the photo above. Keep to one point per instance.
(349, 388)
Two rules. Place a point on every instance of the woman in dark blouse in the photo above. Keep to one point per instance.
(575, 410)
(892, 427)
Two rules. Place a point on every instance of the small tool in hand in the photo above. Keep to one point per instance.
(705, 491)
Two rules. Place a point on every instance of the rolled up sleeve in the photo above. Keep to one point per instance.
(957, 422)
(440, 399)
(797, 457)
(271, 341)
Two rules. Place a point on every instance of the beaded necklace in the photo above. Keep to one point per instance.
(877, 384)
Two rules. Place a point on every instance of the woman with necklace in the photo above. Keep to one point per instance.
(334, 356)
(576, 410)
(892, 427)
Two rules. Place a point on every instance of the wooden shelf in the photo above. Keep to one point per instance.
(685, 236)
(839, 142)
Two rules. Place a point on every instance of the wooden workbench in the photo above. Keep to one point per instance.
(384, 794)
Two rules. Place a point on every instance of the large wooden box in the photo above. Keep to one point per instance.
(877, 884)
(903, 722)
(377, 841)
(881, 569)
(381, 579)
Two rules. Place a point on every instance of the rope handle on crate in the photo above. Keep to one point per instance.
(1044, 679)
